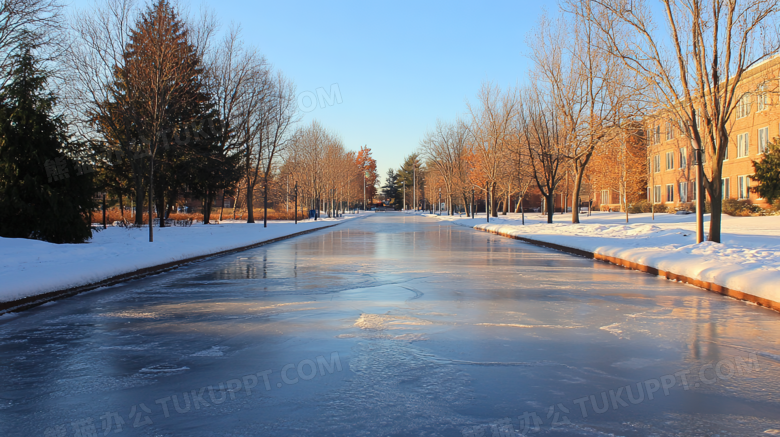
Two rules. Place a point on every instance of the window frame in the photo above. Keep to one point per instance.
(683, 192)
(762, 150)
(743, 106)
(743, 187)
(743, 143)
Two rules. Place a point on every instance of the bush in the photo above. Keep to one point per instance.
(737, 208)
(638, 207)
(688, 206)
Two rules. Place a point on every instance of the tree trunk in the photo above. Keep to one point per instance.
(493, 200)
(506, 203)
(265, 203)
(575, 198)
(161, 208)
(250, 204)
(519, 203)
(151, 198)
(550, 201)
(121, 206)
(716, 206)
(222, 207)
(522, 210)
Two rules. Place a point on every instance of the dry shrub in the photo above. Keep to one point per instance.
(114, 214)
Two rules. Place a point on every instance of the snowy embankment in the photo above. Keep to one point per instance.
(32, 267)
(747, 260)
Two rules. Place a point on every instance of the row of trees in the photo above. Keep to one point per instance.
(157, 106)
(602, 70)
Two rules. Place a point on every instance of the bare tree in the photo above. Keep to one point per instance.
(445, 149)
(540, 129)
(588, 87)
(240, 86)
(38, 23)
(694, 62)
(492, 121)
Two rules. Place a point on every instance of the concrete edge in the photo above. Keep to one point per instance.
(709, 286)
(40, 299)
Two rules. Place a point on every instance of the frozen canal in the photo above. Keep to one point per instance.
(392, 325)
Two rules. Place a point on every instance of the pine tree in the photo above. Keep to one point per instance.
(41, 195)
(389, 189)
(767, 173)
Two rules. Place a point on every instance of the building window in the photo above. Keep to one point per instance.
(669, 131)
(725, 188)
(743, 106)
(670, 192)
(726, 153)
(763, 140)
(657, 194)
(762, 98)
(683, 157)
(605, 197)
(743, 145)
(669, 160)
(657, 164)
(744, 186)
(683, 192)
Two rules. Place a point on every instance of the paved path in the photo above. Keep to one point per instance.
(392, 325)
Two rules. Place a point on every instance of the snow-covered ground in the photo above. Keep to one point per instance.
(748, 259)
(32, 267)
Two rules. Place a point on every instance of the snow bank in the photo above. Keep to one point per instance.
(747, 260)
(32, 267)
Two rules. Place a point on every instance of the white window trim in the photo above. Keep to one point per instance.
(682, 187)
(743, 106)
(766, 146)
(741, 144)
(743, 186)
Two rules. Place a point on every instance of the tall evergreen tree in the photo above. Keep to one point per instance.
(41, 195)
(389, 189)
(407, 174)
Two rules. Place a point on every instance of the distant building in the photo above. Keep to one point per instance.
(756, 120)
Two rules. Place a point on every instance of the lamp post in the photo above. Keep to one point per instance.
(296, 203)
(697, 160)
(414, 184)
(439, 202)
(404, 207)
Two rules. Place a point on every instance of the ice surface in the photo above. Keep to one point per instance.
(435, 329)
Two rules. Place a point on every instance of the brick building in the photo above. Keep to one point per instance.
(756, 121)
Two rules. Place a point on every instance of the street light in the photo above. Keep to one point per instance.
(296, 203)
(439, 202)
(697, 161)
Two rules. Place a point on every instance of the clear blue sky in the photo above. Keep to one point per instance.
(399, 65)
